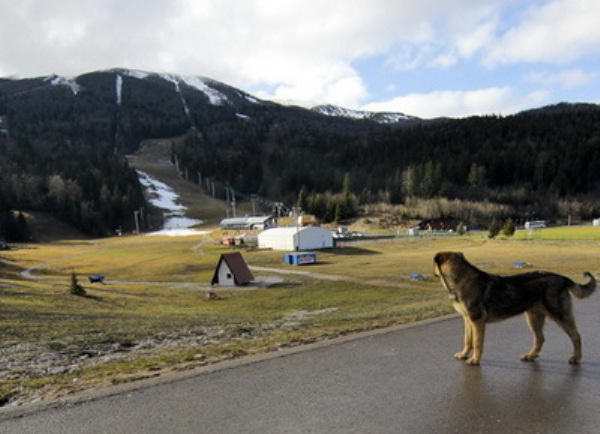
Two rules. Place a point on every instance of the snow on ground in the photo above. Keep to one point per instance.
(164, 197)
(177, 232)
(136, 73)
(56, 80)
(175, 80)
(119, 88)
(215, 97)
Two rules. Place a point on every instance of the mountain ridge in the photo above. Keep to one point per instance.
(63, 142)
(210, 87)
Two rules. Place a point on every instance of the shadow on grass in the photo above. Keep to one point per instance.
(92, 297)
(284, 285)
(353, 251)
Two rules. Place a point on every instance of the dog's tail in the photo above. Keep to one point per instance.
(586, 289)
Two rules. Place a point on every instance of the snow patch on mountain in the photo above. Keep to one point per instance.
(56, 80)
(175, 80)
(215, 97)
(250, 98)
(164, 197)
(119, 88)
(381, 117)
(203, 85)
(135, 73)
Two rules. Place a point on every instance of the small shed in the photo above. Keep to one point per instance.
(232, 270)
(300, 258)
(295, 238)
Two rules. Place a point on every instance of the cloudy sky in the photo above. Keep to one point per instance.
(426, 58)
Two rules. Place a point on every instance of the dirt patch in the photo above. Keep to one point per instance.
(294, 318)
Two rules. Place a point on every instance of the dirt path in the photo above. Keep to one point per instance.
(334, 277)
(28, 272)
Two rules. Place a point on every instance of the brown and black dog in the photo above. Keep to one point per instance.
(482, 298)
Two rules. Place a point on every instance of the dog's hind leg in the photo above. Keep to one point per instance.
(562, 313)
(535, 320)
(468, 340)
(570, 328)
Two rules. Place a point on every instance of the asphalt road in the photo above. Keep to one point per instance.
(403, 380)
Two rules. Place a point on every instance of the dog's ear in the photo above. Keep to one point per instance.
(440, 257)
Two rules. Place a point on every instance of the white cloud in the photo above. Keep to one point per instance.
(476, 37)
(225, 37)
(558, 31)
(571, 78)
(344, 90)
(304, 50)
(495, 100)
(75, 36)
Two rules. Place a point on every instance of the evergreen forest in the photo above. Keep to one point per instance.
(63, 147)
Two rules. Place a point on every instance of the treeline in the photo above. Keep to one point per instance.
(94, 191)
(328, 207)
(530, 160)
(60, 154)
(62, 149)
(13, 228)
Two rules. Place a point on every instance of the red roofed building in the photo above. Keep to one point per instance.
(232, 270)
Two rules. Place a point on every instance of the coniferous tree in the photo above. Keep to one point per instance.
(76, 288)
(302, 201)
(494, 229)
(410, 181)
(396, 188)
(508, 229)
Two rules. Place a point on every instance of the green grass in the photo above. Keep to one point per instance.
(156, 287)
(572, 233)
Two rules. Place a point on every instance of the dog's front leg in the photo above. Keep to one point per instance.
(478, 337)
(467, 341)
(535, 321)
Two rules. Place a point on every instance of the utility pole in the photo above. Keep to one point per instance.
(253, 199)
(233, 200)
(136, 214)
(142, 210)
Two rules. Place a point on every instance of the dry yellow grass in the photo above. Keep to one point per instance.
(155, 287)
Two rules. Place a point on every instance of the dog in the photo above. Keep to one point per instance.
(483, 298)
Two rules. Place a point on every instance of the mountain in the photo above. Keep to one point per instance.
(381, 117)
(63, 143)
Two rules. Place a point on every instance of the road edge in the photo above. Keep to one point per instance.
(79, 398)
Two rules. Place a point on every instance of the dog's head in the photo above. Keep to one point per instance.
(445, 265)
(445, 261)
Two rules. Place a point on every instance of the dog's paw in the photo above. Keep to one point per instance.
(529, 357)
(574, 360)
(461, 355)
(473, 361)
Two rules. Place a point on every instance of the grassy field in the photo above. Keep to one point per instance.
(153, 314)
(573, 233)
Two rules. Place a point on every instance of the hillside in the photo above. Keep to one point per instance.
(63, 144)
(153, 158)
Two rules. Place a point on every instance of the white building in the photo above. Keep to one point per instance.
(232, 270)
(249, 223)
(295, 238)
